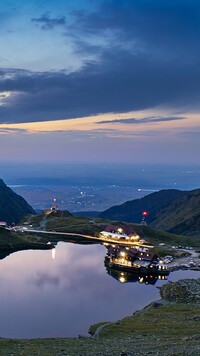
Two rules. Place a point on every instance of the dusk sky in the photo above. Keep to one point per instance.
(100, 81)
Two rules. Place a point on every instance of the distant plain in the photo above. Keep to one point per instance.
(94, 187)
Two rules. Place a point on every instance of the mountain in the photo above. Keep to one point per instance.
(182, 216)
(175, 211)
(12, 206)
(154, 203)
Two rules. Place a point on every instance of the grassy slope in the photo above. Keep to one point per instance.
(154, 203)
(92, 227)
(181, 217)
(15, 241)
(175, 211)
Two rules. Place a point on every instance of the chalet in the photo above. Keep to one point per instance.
(123, 232)
(132, 259)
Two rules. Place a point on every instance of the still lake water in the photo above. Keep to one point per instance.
(43, 296)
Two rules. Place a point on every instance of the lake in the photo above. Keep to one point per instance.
(60, 293)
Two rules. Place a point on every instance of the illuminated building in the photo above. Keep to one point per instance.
(134, 260)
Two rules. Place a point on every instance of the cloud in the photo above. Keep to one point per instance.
(121, 82)
(43, 279)
(145, 54)
(12, 131)
(144, 23)
(144, 120)
(47, 23)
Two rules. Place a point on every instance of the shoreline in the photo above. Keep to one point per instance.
(167, 326)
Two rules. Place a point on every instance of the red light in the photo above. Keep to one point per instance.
(145, 213)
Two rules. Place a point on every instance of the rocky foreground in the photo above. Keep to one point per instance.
(170, 326)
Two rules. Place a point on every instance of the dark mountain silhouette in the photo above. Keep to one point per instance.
(131, 211)
(171, 210)
(12, 206)
(182, 216)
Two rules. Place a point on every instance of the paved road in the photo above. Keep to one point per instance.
(61, 233)
(99, 239)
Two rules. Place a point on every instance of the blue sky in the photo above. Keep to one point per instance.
(112, 80)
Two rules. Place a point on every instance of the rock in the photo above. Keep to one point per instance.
(196, 317)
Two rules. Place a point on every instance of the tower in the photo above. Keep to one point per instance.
(54, 206)
(144, 215)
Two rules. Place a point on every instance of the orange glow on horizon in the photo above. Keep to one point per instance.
(90, 123)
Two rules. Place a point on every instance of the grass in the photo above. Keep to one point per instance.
(93, 328)
(153, 320)
(16, 241)
(85, 225)
(63, 222)
(155, 237)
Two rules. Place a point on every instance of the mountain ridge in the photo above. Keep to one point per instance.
(182, 216)
(171, 210)
(12, 206)
(131, 211)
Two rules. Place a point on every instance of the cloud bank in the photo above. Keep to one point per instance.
(144, 120)
(147, 55)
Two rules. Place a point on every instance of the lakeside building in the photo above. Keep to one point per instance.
(3, 224)
(134, 260)
(125, 232)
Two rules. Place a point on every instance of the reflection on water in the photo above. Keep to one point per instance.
(53, 253)
(60, 297)
(134, 264)
(125, 277)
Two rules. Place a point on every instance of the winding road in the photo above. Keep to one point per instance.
(98, 239)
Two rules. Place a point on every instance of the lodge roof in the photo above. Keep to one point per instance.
(126, 229)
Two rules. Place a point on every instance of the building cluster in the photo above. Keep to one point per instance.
(123, 232)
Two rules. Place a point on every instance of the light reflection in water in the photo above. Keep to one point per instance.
(53, 253)
(41, 297)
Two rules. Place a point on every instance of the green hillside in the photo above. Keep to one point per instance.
(11, 241)
(154, 203)
(12, 206)
(65, 222)
(175, 211)
(182, 216)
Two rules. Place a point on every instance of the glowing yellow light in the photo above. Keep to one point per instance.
(135, 237)
(122, 279)
(123, 254)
